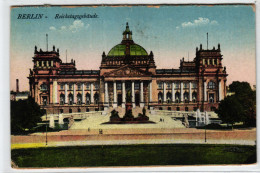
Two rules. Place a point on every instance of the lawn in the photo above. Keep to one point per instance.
(134, 155)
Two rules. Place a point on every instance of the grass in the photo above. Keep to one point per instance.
(134, 155)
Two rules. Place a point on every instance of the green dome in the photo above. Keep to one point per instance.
(120, 50)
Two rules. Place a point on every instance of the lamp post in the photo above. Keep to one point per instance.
(46, 127)
(205, 134)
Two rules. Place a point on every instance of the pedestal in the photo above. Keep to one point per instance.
(114, 105)
(51, 122)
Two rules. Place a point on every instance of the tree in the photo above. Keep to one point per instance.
(25, 114)
(240, 88)
(230, 110)
(240, 107)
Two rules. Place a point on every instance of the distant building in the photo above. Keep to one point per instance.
(16, 95)
(59, 86)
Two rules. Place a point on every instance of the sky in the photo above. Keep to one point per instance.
(171, 32)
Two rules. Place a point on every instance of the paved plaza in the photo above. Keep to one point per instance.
(165, 130)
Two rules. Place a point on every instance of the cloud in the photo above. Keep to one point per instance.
(74, 27)
(77, 25)
(52, 28)
(63, 28)
(198, 22)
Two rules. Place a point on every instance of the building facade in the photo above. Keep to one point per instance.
(128, 67)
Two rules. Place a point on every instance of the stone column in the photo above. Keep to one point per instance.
(205, 91)
(123, 94)
(91, 93)
(219, 91)
(52, 63)
(173, 92)
(133, 94)
(74, 94)
(66, 93)
(142, 94)
(181, 95)
(106, 93)
(54, 90)
(83, 93)
(115, 95)
(164, 92)
(51, 101)
(190, 94)
(106, 96)
(37, 63)
(150, 92)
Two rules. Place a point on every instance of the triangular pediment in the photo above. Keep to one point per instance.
(127, 71)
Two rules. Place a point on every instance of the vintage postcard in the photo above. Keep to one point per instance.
(139, 85)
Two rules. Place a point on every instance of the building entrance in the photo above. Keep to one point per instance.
(119, 99)
(137, 99)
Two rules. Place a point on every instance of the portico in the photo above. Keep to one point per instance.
(122, 87)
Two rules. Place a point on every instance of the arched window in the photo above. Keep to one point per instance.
(79, 99)
(87, 98)
(211, 85)
(96, 98)
(169, 97)
(62, 99)
(194, 97)
(186, 97)
(70, 99)
(177, 97)
(160, 97)
(43, 87)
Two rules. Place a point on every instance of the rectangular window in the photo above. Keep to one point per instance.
(70, 86)
(160, 85)
(137, 86)
(62, 86)
(177, 85)
(79, 86)
(88, 86)
(168, 86)
(96, 86)
(186, 85)
(194, 85)
(118, 86)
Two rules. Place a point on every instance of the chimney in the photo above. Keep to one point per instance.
(17, 85)
(200, 46)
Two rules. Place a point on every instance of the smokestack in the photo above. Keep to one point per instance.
(17, 85)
